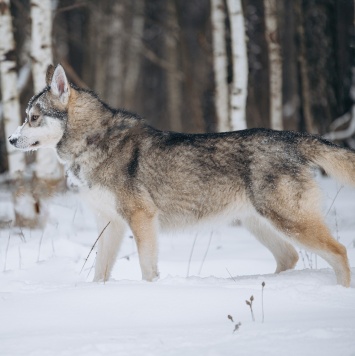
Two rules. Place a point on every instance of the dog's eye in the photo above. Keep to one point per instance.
(34, 117)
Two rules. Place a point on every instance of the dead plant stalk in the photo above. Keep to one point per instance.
(93, 246)
(250, 303)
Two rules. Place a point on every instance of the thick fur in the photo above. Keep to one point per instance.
(139, 177)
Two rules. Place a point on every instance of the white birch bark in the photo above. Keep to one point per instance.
(47, 165)
(275, 64)
(10, 96)
(24, 208)
(218, 16)
(239, 87)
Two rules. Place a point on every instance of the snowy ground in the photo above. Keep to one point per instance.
(48, 307)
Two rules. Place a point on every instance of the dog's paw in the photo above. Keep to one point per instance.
(152, 277)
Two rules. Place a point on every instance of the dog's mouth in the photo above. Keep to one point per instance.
(35, 144)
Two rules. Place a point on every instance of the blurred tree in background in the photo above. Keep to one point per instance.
(157, 58)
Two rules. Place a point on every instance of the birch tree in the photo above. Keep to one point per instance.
(23, 200)
(10, 96)
(275, 64)
(239, 86)
(218, 17)
(47, 165)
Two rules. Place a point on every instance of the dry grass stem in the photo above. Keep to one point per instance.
(331, 205)
(231, 275)
(237, 325)
(262, 300)
(205, 255)
(39, 246)
(93, 246)
(191, 253)
(19, 257)
(336, 225)
(22, 236)
(6, 251)
(250, 303)
(92, 266)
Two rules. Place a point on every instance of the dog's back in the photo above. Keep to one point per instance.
(263, 178)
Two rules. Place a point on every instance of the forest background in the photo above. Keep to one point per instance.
(185, 65)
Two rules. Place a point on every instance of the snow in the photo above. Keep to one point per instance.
(48, 307)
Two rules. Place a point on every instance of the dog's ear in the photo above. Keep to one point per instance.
(60, 86)
(49, 74)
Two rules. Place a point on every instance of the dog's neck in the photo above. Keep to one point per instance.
(92, 128)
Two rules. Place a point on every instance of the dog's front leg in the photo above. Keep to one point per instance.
(108, 245)
(144, 227)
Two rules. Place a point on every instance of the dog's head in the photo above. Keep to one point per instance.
(46, 114)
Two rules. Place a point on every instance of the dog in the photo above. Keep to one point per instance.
(138, 177)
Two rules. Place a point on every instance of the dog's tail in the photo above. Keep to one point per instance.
(338, 162)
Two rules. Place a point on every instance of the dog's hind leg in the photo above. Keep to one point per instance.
(284, 253)
(294, 210)
(144, 227)
(310, 232)
(108, 245)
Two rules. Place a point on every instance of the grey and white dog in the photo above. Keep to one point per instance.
(138, 177)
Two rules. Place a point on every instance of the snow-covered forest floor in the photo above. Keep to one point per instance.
(48, 307)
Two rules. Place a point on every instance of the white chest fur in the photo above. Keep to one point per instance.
(101, 200)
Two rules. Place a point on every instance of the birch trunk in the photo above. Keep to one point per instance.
(239, 89)
(275, 64)
(23, 200)
(10, 96)
(47, 165)
(172, 55)
(218, 17)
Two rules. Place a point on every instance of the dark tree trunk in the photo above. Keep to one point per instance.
(258, 84)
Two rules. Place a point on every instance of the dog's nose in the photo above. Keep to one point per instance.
(12, 140)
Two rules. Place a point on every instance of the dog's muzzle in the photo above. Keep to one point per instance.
(13, 140)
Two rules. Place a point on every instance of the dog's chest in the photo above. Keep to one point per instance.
(101, 200)
(80, 171)
(76, 175)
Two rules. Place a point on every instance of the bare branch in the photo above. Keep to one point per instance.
(70, 7)
(344, 134)
(73, 75)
